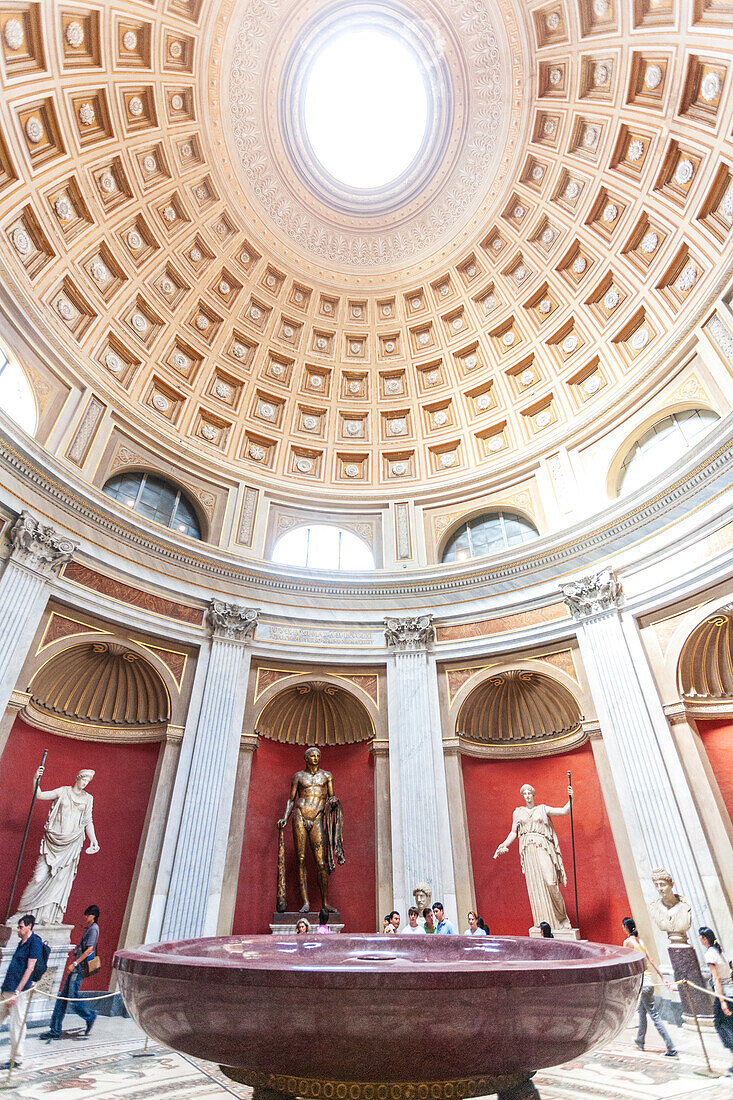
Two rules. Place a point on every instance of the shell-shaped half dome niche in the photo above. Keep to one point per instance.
(315, 713)
(519, 713)
(705, 668)
(102, 685)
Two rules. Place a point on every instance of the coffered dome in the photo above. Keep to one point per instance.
(172, 242)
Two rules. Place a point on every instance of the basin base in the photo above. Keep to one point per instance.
(274, 1086)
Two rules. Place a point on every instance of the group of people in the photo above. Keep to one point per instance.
(24, 970)
(432, 922)
(722, 982)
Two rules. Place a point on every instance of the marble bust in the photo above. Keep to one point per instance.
(670, 912)
(423, 895)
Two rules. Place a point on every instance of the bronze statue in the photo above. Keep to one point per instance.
(317, 817)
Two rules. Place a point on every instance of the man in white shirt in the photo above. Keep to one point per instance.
(413, 928)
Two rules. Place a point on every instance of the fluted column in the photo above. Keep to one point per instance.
(204, 788)
(657, 804)
(37, 553)
(421, 841)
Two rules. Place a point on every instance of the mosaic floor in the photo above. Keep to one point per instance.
(107, 1066)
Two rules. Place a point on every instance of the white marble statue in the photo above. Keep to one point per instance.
(69, 821)
(670, 912)
(539, 854)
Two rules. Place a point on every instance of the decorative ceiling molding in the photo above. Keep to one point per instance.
(705, 667)
(101, 684)
(315, 713)
(520, 711)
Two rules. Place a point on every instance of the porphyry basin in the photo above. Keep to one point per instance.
(382, 1017)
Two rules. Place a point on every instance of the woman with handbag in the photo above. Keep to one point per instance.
(82, 963)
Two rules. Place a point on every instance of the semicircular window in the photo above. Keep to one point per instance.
(661, 446)
(157, 499)
(321, 546)
(489, 533)
(16, 396)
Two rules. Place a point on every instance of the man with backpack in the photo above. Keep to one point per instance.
(76, 968)
(25, 967)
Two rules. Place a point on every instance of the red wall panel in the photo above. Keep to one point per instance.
(492, 793)
(717, 737)
(121, 790)
(351, 886)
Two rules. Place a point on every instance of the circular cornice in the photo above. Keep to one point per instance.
(476, 67)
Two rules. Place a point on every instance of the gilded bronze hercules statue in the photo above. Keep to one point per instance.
(318, 821)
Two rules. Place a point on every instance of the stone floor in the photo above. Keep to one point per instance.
(107, 1066)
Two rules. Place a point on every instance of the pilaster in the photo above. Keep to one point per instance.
(706, 792)
(191, 879)
(38, 552)
(382, 829)
(247, 747)
(653, 791)
(420, 819)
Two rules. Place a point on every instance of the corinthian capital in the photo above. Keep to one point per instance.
(592, 594)
(231, 620)
(410, 633)
(38, 546)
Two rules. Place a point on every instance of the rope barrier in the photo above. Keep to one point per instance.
(86, 1000)
(702, 989)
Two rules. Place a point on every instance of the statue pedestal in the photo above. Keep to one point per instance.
(685, 965)
(557, 933)
(58, 937)
(283, 924)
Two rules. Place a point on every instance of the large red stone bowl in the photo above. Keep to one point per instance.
(336, 1016)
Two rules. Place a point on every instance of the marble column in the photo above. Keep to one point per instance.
(194, 857)
(421, 835)
(657, 805)
(37, 553)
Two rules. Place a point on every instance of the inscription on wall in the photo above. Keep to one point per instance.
(296, 635)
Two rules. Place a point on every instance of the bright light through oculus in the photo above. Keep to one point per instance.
(366, 107)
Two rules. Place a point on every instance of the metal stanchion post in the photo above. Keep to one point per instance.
(709, 1072)
(144, 1053)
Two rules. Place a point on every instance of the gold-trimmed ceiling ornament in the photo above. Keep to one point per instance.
(519, 713)
(99, 688)
(705, 668)
(315, 713)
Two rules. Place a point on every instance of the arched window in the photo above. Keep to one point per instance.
(320, 546)
(16, 396)
(661, 445)
(155, 498)
(488, 534)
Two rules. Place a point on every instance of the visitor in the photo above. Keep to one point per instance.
(546, 930)
(74, 971)
(482, 924)
(302, 928)
(474, 928)
(720, 974)
(387, 926)
(412, 928)
(430, 928)
(444, 926)
(647, 1006)
(17, 981)
(323, 929)
(393, 921)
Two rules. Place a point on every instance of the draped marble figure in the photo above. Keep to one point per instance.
(69, 821)
(540, 858)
